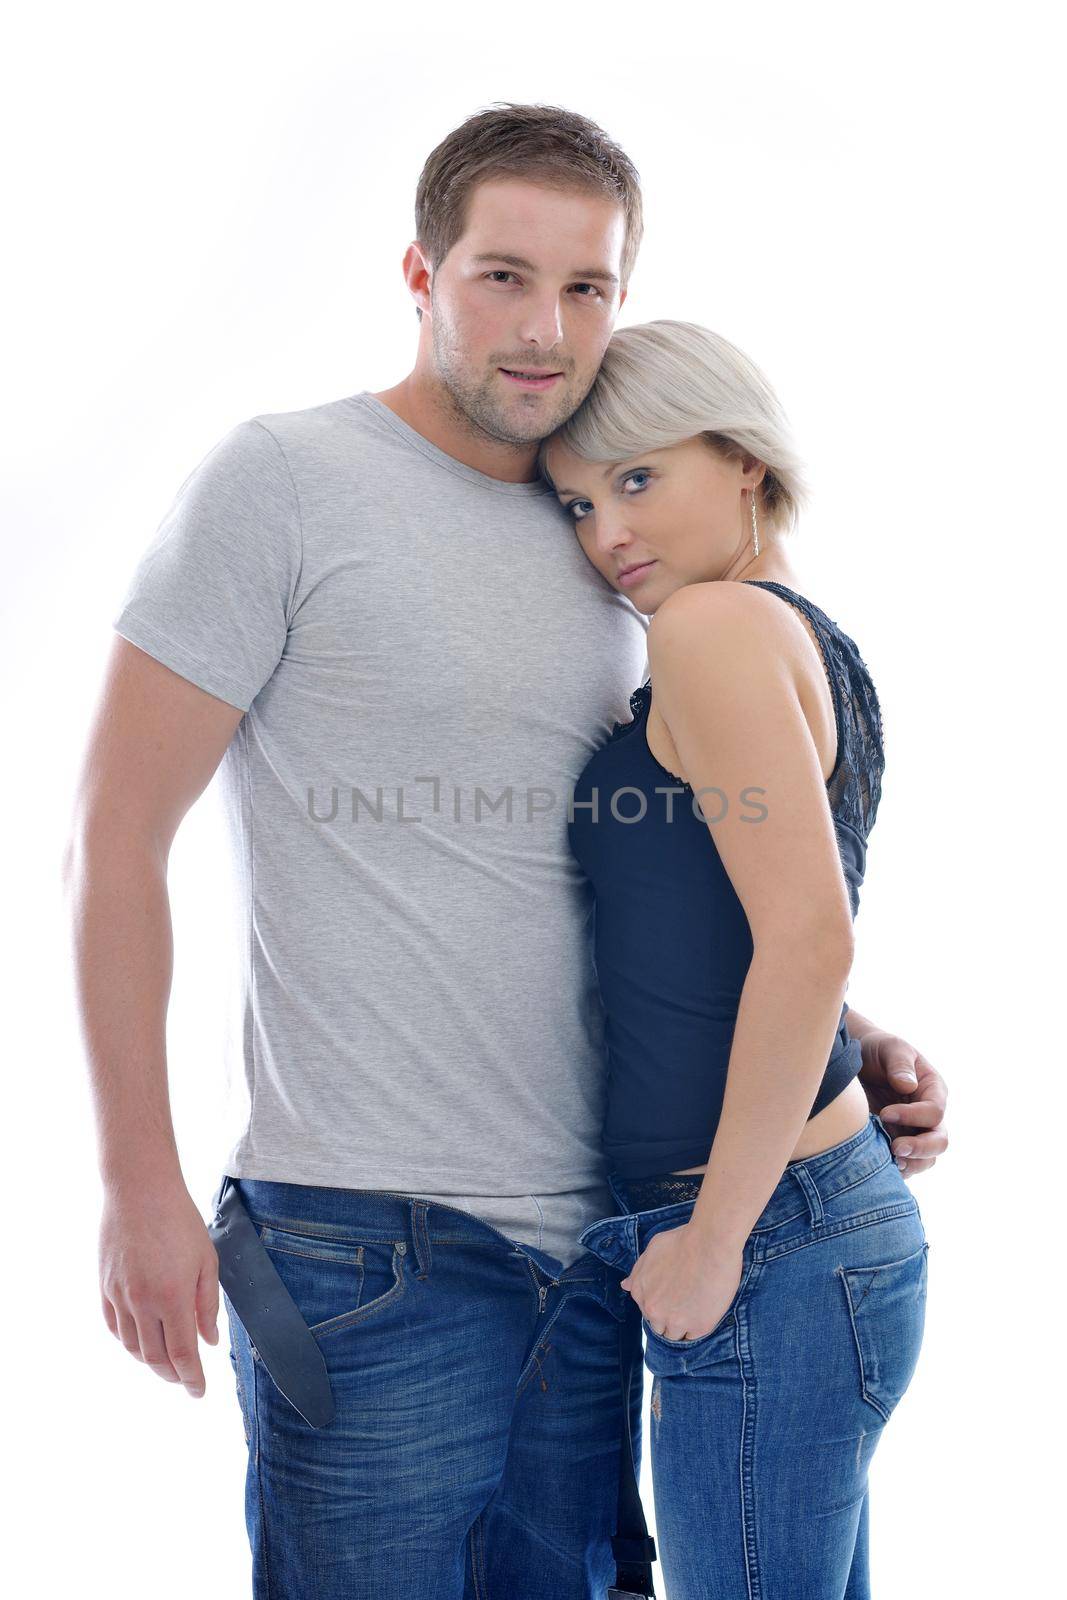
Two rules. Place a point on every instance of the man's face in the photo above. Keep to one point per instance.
(553, 315)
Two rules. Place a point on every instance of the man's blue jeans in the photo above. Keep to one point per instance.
(474, 1453)
(762, 1431)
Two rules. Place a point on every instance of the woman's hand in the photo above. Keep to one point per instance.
(683, 1284)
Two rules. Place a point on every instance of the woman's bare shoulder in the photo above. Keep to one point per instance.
(719, 616)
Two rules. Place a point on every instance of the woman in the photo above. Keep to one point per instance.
(774, 1249)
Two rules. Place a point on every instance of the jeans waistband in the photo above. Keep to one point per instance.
(360, 1215)
(804, 1184)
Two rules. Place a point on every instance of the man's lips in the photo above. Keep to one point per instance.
(530, 378)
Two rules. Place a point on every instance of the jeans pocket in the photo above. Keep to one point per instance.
(334, 1281)
(887, 1308)
(691, 1344)
(700, 1345)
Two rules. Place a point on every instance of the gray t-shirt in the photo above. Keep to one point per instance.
(426, 660)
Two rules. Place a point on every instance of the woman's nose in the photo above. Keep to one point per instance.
(611, 538)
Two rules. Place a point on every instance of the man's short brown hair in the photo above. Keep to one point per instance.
(544, 144)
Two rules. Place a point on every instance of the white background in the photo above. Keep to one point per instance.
(208, 206)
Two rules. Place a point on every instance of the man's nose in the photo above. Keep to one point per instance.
(543, 324)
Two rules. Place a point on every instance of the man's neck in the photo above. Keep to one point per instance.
(419, 406)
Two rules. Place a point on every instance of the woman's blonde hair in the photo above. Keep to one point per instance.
(661, 383)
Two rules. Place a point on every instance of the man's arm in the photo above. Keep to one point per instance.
(905, 1090)
(154, 743)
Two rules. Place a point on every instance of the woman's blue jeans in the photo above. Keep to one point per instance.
(474, 1451)
(762, 1431)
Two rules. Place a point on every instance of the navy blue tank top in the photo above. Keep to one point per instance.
(671, 940)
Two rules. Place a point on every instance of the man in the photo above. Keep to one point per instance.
(376, 623)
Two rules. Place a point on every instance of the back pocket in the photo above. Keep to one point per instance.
(887, 1306)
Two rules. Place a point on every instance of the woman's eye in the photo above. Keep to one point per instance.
(638, 472)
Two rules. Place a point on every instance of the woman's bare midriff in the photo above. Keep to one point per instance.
(835, 1123)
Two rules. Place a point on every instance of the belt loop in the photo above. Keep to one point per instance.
(631, 1235)
(810, 1193)
(420, 1236)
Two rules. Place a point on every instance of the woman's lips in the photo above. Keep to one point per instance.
(532, 383)
(636, 574)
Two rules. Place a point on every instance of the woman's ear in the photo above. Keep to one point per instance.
(753, 472)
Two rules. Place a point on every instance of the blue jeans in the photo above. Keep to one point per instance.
(474, 1452)
(763, 1429)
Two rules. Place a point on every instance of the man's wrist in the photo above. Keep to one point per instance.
(865, 1032)
(157, 1171)
(859, 1026)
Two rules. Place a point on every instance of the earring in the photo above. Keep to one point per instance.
(755, 528)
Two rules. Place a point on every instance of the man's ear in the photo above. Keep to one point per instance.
(417, 275)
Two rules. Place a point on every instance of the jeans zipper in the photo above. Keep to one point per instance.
(516, 1249)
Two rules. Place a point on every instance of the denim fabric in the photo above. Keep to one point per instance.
(474, 1454)
(762, 1431)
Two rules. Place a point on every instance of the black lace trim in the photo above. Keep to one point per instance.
(642, 1194)
(640, 701)
(854, 788)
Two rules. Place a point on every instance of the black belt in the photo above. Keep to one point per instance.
(268, 1313)
(632, 1545)
(293, 1357)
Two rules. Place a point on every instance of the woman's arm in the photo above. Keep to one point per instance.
(728, 664)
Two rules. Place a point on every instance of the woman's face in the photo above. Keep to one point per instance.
(678, 515)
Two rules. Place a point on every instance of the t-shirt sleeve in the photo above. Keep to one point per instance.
(212, 595)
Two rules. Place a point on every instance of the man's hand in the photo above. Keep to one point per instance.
(906, 1092)
(159, 1280)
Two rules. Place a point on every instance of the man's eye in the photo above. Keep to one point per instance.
(499, 272)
